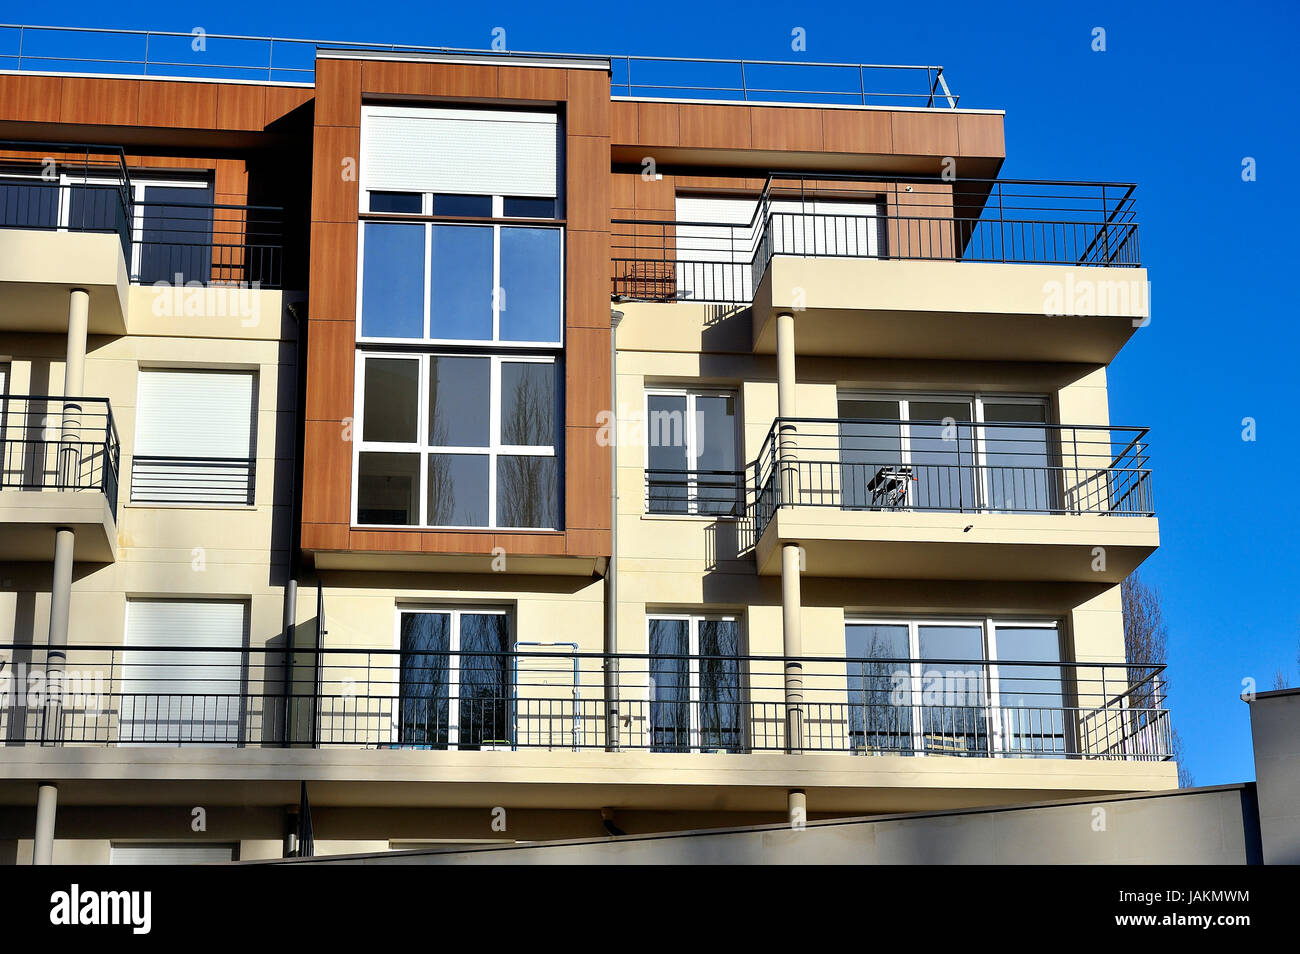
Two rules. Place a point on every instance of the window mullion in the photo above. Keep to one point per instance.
(494, 436)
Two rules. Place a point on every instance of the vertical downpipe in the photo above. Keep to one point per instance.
(612, 721)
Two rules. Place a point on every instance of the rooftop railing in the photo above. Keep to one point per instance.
(952, 466)
(203, 55)
(861, 216)
(434, 699)
(59, 444)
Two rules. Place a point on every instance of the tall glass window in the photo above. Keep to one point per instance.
(691, 464)
(696, 701)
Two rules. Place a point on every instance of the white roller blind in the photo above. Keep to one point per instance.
(468, 151)
(199, 424)
(196, 854)
(714, 259)
(190, 695)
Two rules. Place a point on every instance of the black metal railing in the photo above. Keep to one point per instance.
(75, 187)
(714, 493)
(70, 187)
(442, 700)
(952, 466)
(212, 480)
(861, 216)
(59, 444)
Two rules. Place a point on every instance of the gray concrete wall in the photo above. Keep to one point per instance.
(1275, 734)
(1190, 826)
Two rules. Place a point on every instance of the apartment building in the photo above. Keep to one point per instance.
(509, 451)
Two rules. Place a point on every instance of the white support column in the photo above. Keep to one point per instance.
(47, 800)
(791, 556)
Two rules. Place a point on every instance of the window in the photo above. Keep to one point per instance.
(462, 427)
(695, 683)
(964, 453)
(455, 682)
(191, 697)
(457, 440)
(956, 687)
(691, 453)
(449, 282)
(195, 438)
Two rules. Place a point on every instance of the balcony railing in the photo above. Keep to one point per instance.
(385, 699)
(829, 216)
(59, 444)
(713, 493)
(952, 466)
(73, 187)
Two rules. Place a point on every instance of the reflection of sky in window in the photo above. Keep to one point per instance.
(461, 282)
(392, 285)
(530, 277)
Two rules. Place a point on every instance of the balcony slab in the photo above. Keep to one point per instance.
(38, 270)
(876, 544)
(951, 310)
(28, 519)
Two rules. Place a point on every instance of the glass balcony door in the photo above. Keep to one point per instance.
(695, 684)
(454, 685)
(1029, 700)
(961, 454)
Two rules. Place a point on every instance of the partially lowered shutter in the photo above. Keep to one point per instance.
(714, 257)
(194, 437)
(191, 854)
(466, 151)
(182, 695)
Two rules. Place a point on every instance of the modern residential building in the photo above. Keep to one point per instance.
(527, 446)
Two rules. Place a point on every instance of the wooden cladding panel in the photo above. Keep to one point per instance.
(979, 135)
(331, 338)
(859, 131)
(335, 196)
(192, 105)
(925, 134)
(99, 101)
(241, 107)
(31, 98)
(531, 83)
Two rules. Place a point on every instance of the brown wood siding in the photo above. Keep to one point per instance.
(327, 483)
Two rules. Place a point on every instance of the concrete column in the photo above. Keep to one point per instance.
(797, 806)
(47, 800)
(792, 637)
(74, 378)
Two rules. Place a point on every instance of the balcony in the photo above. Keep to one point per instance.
(891, 499)
(887, 265)
(59, 466)
(73, 216)
(172, 696)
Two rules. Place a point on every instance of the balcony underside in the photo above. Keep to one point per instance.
(950, 310)
(29, 519)
(38, 270)
(403, 562)
(559, 779)
(939, 546)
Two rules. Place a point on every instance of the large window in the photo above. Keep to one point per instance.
(947, 452)
(457, 440)
(460, 318)
(956, 687)
(696, 701)
(454, 688)
(195, 437)
(691, 465)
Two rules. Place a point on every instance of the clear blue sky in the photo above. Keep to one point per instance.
(1182, 94)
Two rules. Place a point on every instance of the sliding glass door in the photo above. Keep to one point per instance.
(943, 453)
(454, 679)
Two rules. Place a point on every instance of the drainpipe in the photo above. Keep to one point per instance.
(65, 538)
(791, 634)
(612, 727)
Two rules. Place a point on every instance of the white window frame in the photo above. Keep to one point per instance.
(976, 400)
(496, 341)
(693, 674)
(691, 436)
(455, 612)
(988, 634)
(493, 450)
